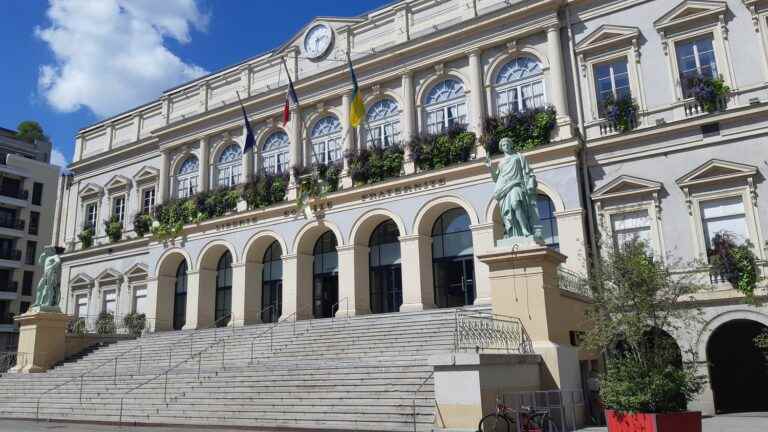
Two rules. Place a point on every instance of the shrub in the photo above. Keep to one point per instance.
(527, 130)
(171, 217)
(710, 93)
(135, 323)
(265, 190)
(142, 224)
(86, 236)
(439, 151)
(215, 203)
(736, 263)
(318, 180)
(105, 324)
(114, 229)
(621, 111)
(375, 165)
(79, 327)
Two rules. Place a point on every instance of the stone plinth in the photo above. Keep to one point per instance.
(524, 285)
(42, 340)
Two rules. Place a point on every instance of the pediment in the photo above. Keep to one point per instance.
(716, 170)
(118, 182)
(146, 175)
(625, 185)
(137, 271)
(81, 280)
(688, 11)
(109, 275)
(336, 23)
(91, 190)
(607, 35)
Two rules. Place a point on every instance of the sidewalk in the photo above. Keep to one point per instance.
(742, 422)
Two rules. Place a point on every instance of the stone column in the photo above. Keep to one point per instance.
(482, 241)
(408, 116)
(246, 294)
(353, 280)
(201, 299)
(557, 71)
(162, 194)
(247, 174)
(205, 165)
(418, 285)
(160, 297)
(290, 285)
(297, 157)
(348, 140)
(476, 96)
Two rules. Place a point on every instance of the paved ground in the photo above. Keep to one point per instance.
(745, 422)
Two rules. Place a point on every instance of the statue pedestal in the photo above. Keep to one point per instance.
(523, 279)
(42, 340)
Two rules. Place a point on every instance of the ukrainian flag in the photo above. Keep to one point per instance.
(357, 110)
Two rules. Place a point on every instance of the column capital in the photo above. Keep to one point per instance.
(474, 52)
(413, 237)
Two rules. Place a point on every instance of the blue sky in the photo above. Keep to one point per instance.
(69, 63)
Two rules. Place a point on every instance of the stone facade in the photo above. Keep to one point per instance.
(678, 174)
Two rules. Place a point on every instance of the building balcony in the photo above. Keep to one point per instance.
(12, 228)
(17, 194)
(14, 198)
(10, 259)
(9, 286)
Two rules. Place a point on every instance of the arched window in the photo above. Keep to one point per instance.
(275, 154)
(180, 297)
(272, 284)
(383, 124)
(519, 86)
(446, 106)
(187, 177)
(223, 289)
(229, 166)
(325, 269)
(326, 140)
(548, 221)
(385, 272)
(453, 260)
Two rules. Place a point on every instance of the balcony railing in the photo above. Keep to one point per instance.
(572, 282)
(18, 194)
(17, 224)
(609, 127)
(693, 108)
(11, 255)
(9, 286)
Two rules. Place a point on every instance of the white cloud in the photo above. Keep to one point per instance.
(111, 54)
(58, 158)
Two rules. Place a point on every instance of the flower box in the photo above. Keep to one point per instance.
(689, 421)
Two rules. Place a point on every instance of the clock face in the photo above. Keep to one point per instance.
(318, 40)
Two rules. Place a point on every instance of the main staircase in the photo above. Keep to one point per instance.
(361, 373)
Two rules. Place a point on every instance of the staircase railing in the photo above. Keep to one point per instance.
(485, 331)
(416, 396)
(336, 307)
(10, 359)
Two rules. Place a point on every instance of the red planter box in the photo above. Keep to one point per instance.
(646, 422)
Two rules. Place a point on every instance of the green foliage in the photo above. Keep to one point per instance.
(710, 93)
(86, 236)
(527, 130)
(375, 165)
(114, 229)
(438, 151)
(215, 203)
(636, 304)
(265, 190)
(761, 341)
(320, 180)
(79, 327)
(142, 224)
(105, 324)
(621, 111)
(736, 263)
(135, 323)
(171, 217)
(30, 131)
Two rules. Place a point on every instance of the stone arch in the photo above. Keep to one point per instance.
(162, 300)
(500, 60)
(209, 256)
(435, 79)
(317, 115)
(371, 98)
(491, 210)
(219, 147)
(429, 212)
(365, 224)
(169, 261)
(179, 159)
(303, 247)
(258, 244)
(305, 239)
(207, 265)
(709, 328)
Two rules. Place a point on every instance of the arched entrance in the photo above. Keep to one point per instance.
(272, 284)
(223, 308)
(325, 276)
(386, 284)
(452, 259)
(738, 369)
(180, 297)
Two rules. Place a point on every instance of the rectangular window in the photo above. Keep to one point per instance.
(91, 214)
(611, 82)
(695, 58)
(23, 307)
(26, 284)
(140, 300)
(441, 119)
(187, 187)
(37, 193)
(6, 317)
(31, 252)
(118, 208)
(148, 200)
(34, 222)
(110, 302)
(631, 225)
(81, 308)
(724, 215)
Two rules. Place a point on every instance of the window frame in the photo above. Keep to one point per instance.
(518, 85)
(229, 173)
(443, 107)
(281, 156)
(114, 211)
(142, 196)
(190, 181)
(376, 133)
(87, 215)
(321, 141)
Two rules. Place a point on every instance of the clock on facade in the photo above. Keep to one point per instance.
(317, 40)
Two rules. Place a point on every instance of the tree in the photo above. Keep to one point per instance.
(30, 131)
(638, 302)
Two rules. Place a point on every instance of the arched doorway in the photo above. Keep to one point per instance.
(272, 284)
(325, 280)
(738, 369)
(452, 259)
(386, 284)
(223, 307)
(180, 297)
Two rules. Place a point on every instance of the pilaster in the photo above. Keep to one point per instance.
(205, 164)
(557, 71)
(418, 285)
(408, 125)
(162, 193)
(353, 280)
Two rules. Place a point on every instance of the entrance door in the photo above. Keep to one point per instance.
(386, 289)
(326, 295)
(271, 295)
(454, 282)
(180, 297)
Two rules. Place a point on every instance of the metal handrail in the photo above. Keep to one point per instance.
(9, 359)
(335, 308)
(416, 396)
(492, 330)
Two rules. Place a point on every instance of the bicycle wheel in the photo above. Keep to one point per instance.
(495, 423)
(549, 425)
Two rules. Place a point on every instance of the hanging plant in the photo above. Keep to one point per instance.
(736, 263)
(265, 190)
(375, 165)
(527, 130)
(710, 93)
(114, 229)
(86, 236)
(438, 151)
(142, 224)
(621, 112)
(215, 203)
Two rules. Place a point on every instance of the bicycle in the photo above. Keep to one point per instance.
(532, 419)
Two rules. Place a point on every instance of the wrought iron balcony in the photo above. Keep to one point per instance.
(11, 255)
(573, 282)
(17, 224)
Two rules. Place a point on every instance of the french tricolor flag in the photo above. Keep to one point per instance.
(291, 97)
